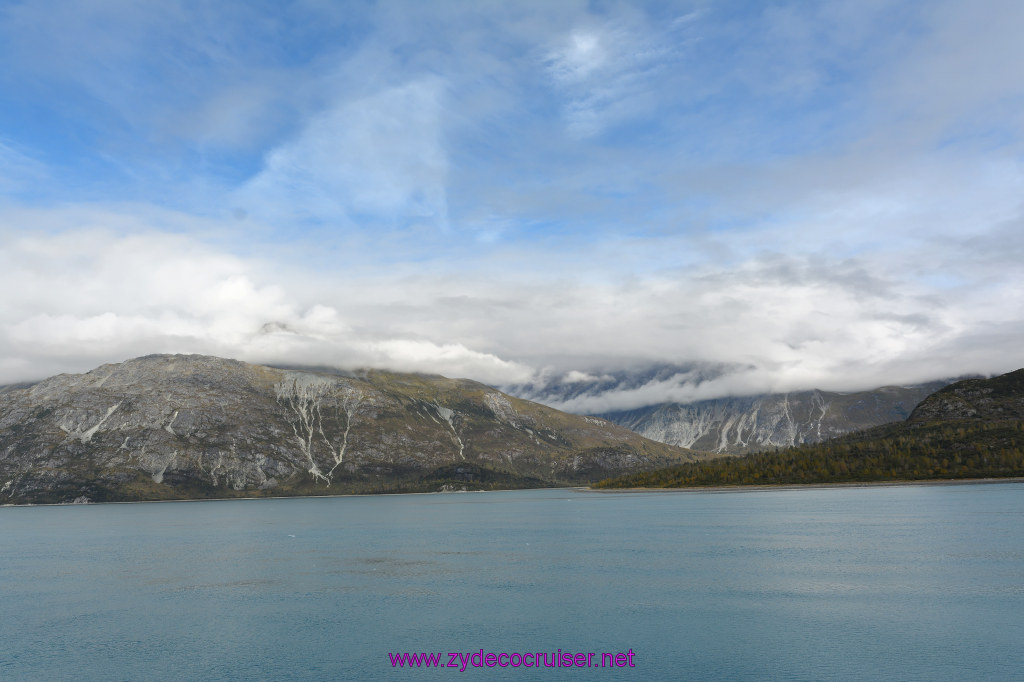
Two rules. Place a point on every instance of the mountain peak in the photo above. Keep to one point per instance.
(1000, 397)
(177, 426)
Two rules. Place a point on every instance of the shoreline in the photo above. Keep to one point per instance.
(577, 488)
(278, 497)
(803, 486)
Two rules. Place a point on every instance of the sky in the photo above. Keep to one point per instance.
(806, 194)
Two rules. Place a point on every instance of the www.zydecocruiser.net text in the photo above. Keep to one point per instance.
(478, 659)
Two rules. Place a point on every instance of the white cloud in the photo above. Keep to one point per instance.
(680, 388)
(606, 72)
(379, 156)
(18, 170)
(829, 194)
(960, 78)
(96, 294)
(577, 377)
(234, 116)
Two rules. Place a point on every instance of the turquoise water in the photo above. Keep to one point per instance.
(897, 583)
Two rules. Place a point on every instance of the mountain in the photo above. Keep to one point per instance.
(187, 426)
(970, 429)
(728, 425)
(751, 424)
(974, 400)
(602, 390)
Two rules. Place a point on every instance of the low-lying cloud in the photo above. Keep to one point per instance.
(803, 195)
(773, 322)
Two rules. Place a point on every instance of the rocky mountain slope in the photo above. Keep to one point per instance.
(998, 398)
(970, 429)
(171, 427)
(729, 425)
(751, 424)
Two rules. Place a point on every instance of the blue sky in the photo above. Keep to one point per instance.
(819, 194)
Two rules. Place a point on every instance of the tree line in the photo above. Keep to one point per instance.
(895, 452)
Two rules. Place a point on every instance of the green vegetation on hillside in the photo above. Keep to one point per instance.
(166, 427)
(896, 452)
(970, 429)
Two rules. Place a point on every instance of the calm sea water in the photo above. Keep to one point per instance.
(895, 583)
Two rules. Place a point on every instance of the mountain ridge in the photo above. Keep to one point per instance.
(969, 429)
(187, 426)
(657, 407)
(1000, 397)
(738, 425)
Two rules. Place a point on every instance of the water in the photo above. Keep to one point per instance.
(897, 583)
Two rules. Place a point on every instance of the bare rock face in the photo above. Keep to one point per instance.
(173, 426)
(998, 398)
(758, 423)
(727, 425)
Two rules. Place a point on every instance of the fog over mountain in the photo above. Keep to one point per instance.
(685, 406)
(801, 195)
(192, 426)
(610, 390)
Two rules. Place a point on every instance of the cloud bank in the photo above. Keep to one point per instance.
(802, 196)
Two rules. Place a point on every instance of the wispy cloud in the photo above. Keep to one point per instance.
(18, 170)
(809, 194)
(613, 71)
(377, 158)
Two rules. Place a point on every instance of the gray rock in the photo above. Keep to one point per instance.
(175, 426)
(758, 423)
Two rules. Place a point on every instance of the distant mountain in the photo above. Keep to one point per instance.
(594, 391)
(172, 427)
(728, 425)
(6, 388)
(970, 429)
(751, 424)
